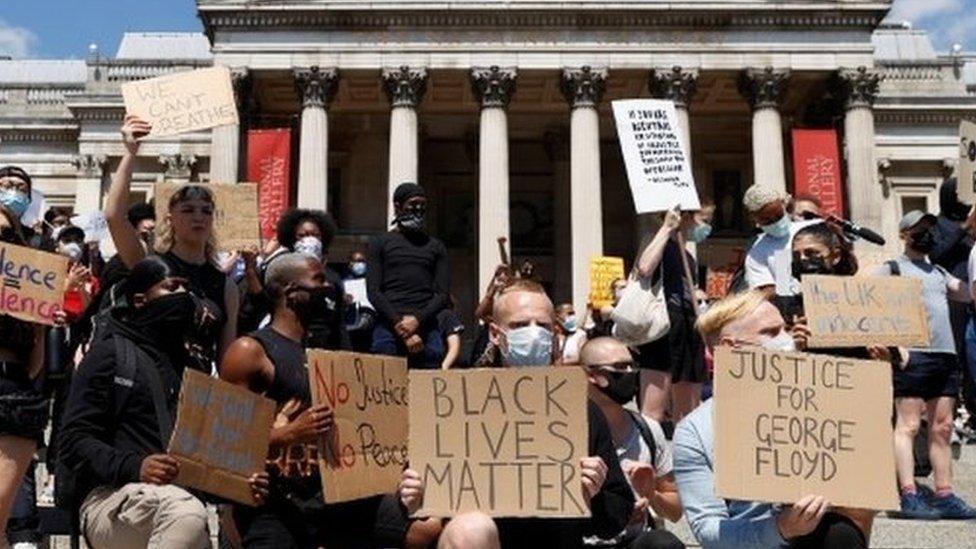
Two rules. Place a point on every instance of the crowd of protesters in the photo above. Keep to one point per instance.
(106, 378)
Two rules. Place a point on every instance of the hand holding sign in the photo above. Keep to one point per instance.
(134, 130)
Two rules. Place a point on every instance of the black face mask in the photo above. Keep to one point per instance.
(312, 310)
(810, 265)
(923, 241)
(621, 386)
(169, 319)
(412, 219)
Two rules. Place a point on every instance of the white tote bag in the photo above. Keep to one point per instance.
(641, 315)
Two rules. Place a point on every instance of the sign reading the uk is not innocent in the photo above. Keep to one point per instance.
(32, 283)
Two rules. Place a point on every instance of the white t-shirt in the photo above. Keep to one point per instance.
(972, 268)
(760, 264)
(572, 345)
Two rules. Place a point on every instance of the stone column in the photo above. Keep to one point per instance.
(859, 88)
(316, 87)
(405, 87)
(225, 141)
(179, 167)
(764, 88)
(583, 88)
(88, 193)
(493, 88)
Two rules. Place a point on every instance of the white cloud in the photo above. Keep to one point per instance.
(16, 42)
(916, 10)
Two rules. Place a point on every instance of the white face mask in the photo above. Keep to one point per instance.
(309, 245)
(783, 343)
(527, 346)
(72, 250)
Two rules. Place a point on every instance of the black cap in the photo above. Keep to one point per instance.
(406, 191)
(71, 233)
(16, 171)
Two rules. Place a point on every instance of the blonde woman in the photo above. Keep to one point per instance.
(185, 242)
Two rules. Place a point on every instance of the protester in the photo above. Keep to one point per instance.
(673, 367)
(408, 278)
(483, 353)
(15, 196)
(360, 315)
(119, 416)
(746, 319)
(928, 380)
(449, 324)
(767, 207)
(186, 243)
(805, 206)
(642, 449)
(23, 408)
(569, 336)
(522, 329)
(271, 361)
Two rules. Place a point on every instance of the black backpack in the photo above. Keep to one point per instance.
(645, 432)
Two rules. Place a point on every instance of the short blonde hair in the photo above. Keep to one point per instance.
(726, 311)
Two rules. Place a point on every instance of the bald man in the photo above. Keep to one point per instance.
(522, 324)
(643, 451)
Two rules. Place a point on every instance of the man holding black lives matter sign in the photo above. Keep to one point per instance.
(782, 428)
(537, 451)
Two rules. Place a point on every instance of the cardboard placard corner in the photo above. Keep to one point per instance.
(657, 163)
(236, 225)
(367, 449)
(183, 102)
(221, 436)
(505, 441)
(791, 424)
(32, 284)
(966, 187)
(844, 311)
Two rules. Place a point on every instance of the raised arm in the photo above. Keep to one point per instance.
(127, 242)
(651, 257)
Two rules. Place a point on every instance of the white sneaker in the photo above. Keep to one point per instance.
(24, 545)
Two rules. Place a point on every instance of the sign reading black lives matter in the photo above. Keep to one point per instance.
(507, 442)
(183, 102)
(792, 424)
(657, 164)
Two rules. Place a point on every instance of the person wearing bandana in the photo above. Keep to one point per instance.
(407, 280)
(642, 449)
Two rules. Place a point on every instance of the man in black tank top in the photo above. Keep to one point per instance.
(271, 361)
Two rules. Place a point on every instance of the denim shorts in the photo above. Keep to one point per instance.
(928, 376)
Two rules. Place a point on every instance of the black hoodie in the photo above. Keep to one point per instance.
(109, 423)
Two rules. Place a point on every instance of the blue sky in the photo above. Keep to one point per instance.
(65, 28)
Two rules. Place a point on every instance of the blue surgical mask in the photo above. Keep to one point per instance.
(700, 233)
(570, 323)
(15, 201)
(528, 346)
(780, 229)
(358, 268)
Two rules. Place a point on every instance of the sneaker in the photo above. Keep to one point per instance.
(951, 508)
(914, 507)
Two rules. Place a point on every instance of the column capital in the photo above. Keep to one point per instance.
(493, 86)
(316, 86)
(584, 87)
(858, 87)
(677, 84)
(404, 86)
(763, 88)
(240, 79)
(178, 165)
(90, 165)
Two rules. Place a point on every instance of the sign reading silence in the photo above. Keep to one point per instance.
(844, 311)
(221, 436)
(792, 424)
(183, 102)
(32, 283)
(657, 164)
(367, 449)
(236, 222)
(507, 442)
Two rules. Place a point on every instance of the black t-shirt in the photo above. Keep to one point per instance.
(407, 274)
(208, 283)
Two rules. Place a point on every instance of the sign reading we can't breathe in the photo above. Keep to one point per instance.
(792, 424)
(183, 102)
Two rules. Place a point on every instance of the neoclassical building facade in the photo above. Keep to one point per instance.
(502, 110)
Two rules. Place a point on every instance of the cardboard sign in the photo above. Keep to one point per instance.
(792, 424)
(183, 102)
(603, 271)
(504, 441)
(967, 162)
(32, 283)
(367, 450)
(221, 436)
(845, 311)
(653, 150)
(94, 224)
(236, 223)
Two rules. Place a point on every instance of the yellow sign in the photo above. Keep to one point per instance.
(603, 271)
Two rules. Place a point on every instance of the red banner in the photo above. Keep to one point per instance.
(816, 168)
(269, 165)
